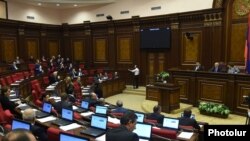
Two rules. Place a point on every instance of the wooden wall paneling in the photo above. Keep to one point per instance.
(100, 50)
(175, 44)
(32, 46)
(161, 62)
(184, 88)
(111, 47)
(191, 48)
(212, 90)
(151, 64)
(237, 45)
(53, 47)
(242, 89)
(8, 49)
(124, 50)
(65, 40)
(79, 50)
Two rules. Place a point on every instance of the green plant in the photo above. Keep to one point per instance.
(214, 108)
(163, 75)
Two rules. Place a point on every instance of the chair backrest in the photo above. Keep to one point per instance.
(14, 77)
(31, 67)
(167, 133)
(90, 80)
(150, 121)
(91, 72)
(46, 80)
(117, 115)
(99, 70)
(53, 134)
(85, 72)
(3, 82)
(81, 66)
(8, 80)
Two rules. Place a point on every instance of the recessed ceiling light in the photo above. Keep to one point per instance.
(57, 4)
(39, 4)
(75, 5)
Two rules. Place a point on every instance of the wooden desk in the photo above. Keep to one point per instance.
(225, 88)
(167, 95)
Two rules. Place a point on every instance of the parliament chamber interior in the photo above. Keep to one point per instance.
(162, 69)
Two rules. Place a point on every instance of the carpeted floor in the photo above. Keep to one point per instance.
(135, 100)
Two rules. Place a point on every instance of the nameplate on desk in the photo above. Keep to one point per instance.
(86, 114)
(46, 119)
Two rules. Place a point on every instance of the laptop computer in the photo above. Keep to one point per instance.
(84, 107)
(97, 127)
(140, 117)
(171, 123)
(70, 137)
(45, 111)
(143, 131)
(67, 118)
(101, 110)
(19, 124)
(192, 115)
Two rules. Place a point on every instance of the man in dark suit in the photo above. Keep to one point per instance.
(64, 103)
(216, 67)
(124, 132)
(156, 115)
(14, 66)
(29, 116)
(187, 121)
(5, 101)
(54, 77)
(119, 108)
(198, 67)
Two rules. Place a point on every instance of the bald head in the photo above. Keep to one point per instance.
(119, 103)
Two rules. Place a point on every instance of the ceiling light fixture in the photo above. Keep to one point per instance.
(39, 4)
(57, 4)
(75, 5)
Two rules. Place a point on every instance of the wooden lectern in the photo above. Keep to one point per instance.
(167, 95)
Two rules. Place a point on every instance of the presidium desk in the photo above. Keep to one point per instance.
(167, 95)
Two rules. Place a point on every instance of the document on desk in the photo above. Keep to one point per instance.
(74, 107)
(101, 138)
(86, 114)
(70, 126)
(113, 120)
(46, 119)
(22, 105)
(14, 99)
(185, 135)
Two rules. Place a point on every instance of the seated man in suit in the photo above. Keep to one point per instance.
(29, 115)
(125, 131)
(187, 121)
(5, 101)
(64, 103)
(198, 67)
(216, 67)
(119, 108)
(54, 77)
(232, 69)
(14, 66)
(93, 99)
(19, 135)
(156, 115)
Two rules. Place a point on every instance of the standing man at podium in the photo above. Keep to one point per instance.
(136, 72)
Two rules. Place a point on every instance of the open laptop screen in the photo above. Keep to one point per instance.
(143, 130)
(47, 107)
(67, 114)
(19, 124)
(69, 137)
(85, 105)
(192, 115)
(140, 117)
(99, 122)
(172, 123)
(101, 110)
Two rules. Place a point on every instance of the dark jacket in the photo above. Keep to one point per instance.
(7, 104)
(186, 121)
(62, 104)
(199, 68)
(119, 110)
(121, 134)
(39, 132)
(156, 116)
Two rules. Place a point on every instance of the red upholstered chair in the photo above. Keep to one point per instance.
(14, 77)
(46, 81)
(112, 125)
(150, 121)
(53, 134)
(85, 72)
(117, 115)
(100, 70)
(3, 82)
(36, 99)
(81, 66)
(90, 80)
(31, 67)
(167, 133)
(77, 116)
(110, 76)
(8, 80)
(6, 116)
(26, 74)
(92, 72)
